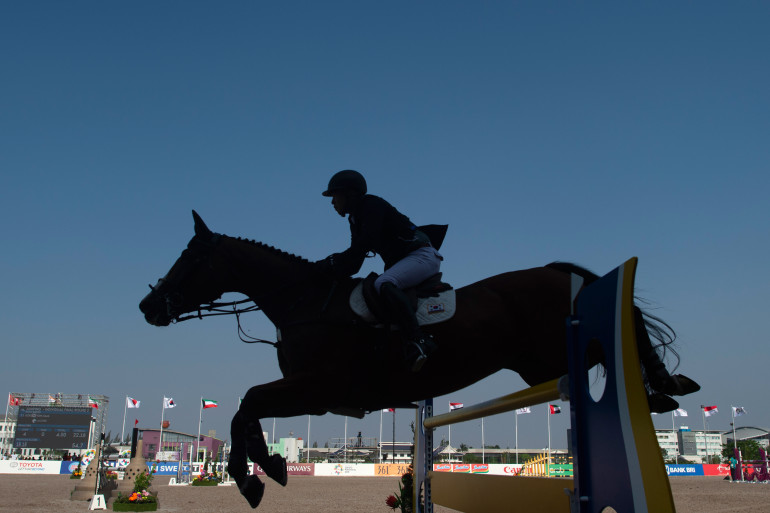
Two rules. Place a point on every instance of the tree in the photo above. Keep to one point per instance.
(463, 448)
(749, 450)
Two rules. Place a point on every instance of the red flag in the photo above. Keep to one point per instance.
(710, 410)
(554, 409)
(136, 421)
(13, 401)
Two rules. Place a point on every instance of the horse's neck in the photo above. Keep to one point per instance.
(272, 279)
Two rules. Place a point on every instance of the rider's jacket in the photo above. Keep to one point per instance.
(376, 226)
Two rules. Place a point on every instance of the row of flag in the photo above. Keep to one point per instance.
(708, 411)
(168, 402)
(16, 401)
(552, 408)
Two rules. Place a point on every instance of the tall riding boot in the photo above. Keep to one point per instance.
(417, 346)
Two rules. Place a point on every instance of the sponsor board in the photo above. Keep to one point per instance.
(721, 469)
(461, 467)
(390, 469)
(479, 468)
(684, 470)
(496, 469)
(293, 469)
(344, 469)
(30, 467)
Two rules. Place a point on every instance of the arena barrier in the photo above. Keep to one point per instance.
(617, 461)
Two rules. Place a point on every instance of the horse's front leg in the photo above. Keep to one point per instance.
(276, 399)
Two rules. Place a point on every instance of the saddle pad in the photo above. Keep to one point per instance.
(430, 310)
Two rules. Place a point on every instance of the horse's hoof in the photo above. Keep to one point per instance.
(418, 363)
(684, 385)
(661, 403)
(253, 489)
(278, 470)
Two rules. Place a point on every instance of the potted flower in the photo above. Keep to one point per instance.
(77, 473)
(140, 499)
(402, 499)
(206, 479)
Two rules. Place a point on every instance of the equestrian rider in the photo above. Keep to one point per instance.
(376, 226)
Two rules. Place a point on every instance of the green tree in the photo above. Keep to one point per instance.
(749, 450)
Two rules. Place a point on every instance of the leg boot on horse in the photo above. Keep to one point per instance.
(417, 345)
(661, 382)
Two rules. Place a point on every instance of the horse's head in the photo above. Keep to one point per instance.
(188, 283)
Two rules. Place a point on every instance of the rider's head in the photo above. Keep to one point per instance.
(345, 188)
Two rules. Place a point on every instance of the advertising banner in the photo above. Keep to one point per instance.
(344, 469)
(721, 469)
(30, 467)
(390, 469)
(684, 470)
(294, 469)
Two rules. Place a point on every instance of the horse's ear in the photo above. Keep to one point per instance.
(200, 227)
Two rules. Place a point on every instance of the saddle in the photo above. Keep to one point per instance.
(433, 301)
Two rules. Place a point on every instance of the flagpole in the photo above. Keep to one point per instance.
(517, 437)
(735, 442)
(380, 444)
(394, 435)
(482, 441)
(5, 428)
(123, 431)
(449, 455)
(705, 440)
(345, 440)
(162, 417)
(548, 463)
(308, 438)
(200, 421)
(673, 432)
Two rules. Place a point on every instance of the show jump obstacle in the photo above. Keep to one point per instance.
(617, 461)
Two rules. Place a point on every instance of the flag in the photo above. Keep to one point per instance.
(710, 410)
(208, 403)
(738, 411)
(554, 409)
(680, 412)
(386, 410)
(13, 401)
(132, 403)
(51, 399)
(523, 410)
(455, 406)
(136, 421)
(92, 403)
(168, 402)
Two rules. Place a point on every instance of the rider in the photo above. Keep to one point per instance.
(376, 226)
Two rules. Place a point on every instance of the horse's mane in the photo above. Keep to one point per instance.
(271, 249)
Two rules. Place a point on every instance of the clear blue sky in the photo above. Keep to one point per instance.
(538, 132)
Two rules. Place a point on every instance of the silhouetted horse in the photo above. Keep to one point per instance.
(511, 321)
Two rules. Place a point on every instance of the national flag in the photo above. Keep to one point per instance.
(168, 402)
(738, 411)
(455, 406)
(132, 403)
(208, 403)
(680, 412)
(523, 410)
(387, 410)
(554, 409)
(710, 410)
(51, 399)
(92, 403)
(13, 401)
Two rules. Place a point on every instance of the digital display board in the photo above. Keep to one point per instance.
(52, 427)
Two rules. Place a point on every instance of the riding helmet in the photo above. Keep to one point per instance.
(346, 180)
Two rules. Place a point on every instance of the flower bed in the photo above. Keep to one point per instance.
(123, 506)
(205, 482)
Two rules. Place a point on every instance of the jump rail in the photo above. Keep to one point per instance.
(616, 459)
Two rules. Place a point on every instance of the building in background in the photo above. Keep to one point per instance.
(688, 445)
(176, 444)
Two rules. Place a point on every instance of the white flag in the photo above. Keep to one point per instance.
(132, 403)
(680, 412)
(738, 411)
(168, 402)
(523, 410)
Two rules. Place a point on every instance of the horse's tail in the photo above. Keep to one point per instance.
(656, 327)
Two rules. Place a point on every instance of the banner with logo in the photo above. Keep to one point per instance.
(293, 469)
(30, 467)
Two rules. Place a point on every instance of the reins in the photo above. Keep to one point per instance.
(220, 309)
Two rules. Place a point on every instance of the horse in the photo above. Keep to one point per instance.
(515, 320)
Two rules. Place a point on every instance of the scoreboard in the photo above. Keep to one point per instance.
(52, 427)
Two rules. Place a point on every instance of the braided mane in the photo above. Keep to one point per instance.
(271, 249)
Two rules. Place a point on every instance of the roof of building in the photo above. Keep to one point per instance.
(747, 432)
